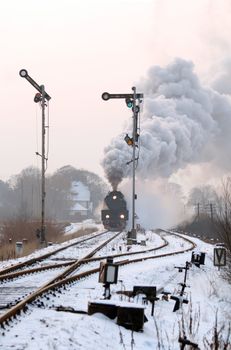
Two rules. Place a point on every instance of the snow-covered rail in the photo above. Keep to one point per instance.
(67, 277)
(39, 258)
(17, 291)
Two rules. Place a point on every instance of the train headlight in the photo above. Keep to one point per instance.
(121, 216)
(107, 216)
(114, 197)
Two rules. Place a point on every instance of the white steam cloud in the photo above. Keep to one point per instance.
(182, 123)
(159, 203)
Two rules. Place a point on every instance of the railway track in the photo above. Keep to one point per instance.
(50, 260)
(59, 282)
(11, 292)
(43, 257)
(13, 275)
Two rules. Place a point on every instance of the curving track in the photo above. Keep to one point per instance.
(44, 257)
(68, 277)
(16, 286)
(53, 260)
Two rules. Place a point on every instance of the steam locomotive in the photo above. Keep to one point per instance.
(114, 214)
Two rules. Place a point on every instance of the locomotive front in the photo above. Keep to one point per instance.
(115, 214)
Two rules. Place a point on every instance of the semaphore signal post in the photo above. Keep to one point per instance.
(132, 102)
(41, 96)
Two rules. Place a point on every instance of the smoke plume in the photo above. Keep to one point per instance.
(159, 203)
(182, 123)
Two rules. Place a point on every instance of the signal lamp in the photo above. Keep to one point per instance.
(37, 97)
(137, 109)
(107, 216)
(108, 274)
(129, 102)
(114, 197)
(121, 216)
(128, 140)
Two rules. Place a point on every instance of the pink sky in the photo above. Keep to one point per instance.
(79, 49)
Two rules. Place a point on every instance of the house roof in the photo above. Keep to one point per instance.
(78, 207)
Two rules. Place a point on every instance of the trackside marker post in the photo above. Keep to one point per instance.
(219, 257)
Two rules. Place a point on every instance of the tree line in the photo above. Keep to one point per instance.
(20, 197)
(212, 211)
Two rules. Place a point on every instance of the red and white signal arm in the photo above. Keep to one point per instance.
(219, 256)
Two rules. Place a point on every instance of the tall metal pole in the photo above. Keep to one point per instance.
(42, 97)
(131, 99)
(133, 232)
(42, 235)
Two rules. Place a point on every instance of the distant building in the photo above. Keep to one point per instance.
(81, 198)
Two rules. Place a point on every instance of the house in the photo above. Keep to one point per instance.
(81, 198)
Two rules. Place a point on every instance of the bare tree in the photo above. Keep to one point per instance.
(203, 195)
(6, 200)
(223, 214)
(25, 187)
(20, 197)
(58, 197)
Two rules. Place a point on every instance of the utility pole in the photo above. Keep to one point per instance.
(41, 97)
(211, 211)
(198, 211)
(131, 101)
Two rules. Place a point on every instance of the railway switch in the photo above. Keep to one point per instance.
(179, 300)
(149, 292)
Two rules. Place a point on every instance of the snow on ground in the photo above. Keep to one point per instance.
(86, 224)
(75, 227)
(209, 293)
(119, 244)
(81, 250)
